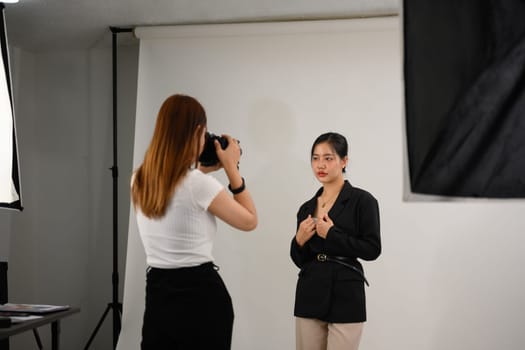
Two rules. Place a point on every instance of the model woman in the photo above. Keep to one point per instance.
(335, 228)
(176, 202)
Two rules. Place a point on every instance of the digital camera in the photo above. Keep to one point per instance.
(208, 156)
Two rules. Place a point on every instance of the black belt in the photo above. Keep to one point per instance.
(341, 261)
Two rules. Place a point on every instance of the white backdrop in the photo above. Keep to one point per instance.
(447, 278)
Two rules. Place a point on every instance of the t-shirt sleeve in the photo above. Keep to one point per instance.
(205, 188)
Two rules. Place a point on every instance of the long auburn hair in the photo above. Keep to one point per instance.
(172, 150)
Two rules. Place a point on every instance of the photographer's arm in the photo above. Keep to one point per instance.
(238, 211)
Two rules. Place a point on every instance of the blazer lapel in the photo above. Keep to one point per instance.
(309, 207)
(341, 200)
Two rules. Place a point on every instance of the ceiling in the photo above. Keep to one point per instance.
(48, 25)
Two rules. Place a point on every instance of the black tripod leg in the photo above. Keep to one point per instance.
(117, 323)
(97, 327)
(37, 338)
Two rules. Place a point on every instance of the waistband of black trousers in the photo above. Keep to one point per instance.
(182, 270)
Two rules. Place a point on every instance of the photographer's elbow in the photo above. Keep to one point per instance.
(250, 225)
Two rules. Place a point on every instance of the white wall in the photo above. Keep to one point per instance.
(61, 244)
(449, 275)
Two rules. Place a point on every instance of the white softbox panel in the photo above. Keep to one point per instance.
(9, 180)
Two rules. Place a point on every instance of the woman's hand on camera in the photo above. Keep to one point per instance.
(209, 169)
(230, 156)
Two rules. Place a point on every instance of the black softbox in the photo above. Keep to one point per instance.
(464, 70)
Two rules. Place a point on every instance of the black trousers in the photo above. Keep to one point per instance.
(187, 308)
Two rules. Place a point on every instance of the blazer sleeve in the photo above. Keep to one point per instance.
(365, 242)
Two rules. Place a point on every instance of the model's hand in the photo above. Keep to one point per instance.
(306, 230)
(324, 225)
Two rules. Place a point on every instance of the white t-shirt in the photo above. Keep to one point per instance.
(184, 236)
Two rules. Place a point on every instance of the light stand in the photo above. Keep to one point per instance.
(114, 305)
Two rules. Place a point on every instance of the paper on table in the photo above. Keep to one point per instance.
(18, 319)
(32, 308)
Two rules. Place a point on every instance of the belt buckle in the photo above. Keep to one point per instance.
(321, 257)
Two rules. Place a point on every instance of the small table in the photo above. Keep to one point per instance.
(52, 318)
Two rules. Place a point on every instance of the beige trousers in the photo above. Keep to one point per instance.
(312, 334)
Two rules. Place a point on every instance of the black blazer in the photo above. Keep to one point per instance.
(326, 290)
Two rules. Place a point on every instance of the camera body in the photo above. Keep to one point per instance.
(208, 156)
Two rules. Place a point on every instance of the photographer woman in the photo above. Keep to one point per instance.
(176, 202)
(334, 228)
